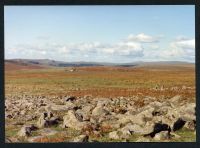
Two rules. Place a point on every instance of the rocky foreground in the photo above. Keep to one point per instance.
(88, 119)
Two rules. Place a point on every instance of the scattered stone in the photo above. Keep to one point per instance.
(159, 127)
(164, 135)
(41, 121)
(134, 128)
(7, 140)
(70, 98)
(99, 111)
(175, 100)
(73, 120)
(47, 120)
(178, 124)
(191, 125)
(11, 140)
(114, 135)
(124, 133)
(81, 138)
(96, 116)
(26, 130)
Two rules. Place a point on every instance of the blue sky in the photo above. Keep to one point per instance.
(100, 33)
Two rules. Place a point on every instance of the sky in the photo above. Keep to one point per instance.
(117, 34)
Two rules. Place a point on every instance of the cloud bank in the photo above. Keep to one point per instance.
(141, 47)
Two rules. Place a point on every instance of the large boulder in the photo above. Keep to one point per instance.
(155, 104)
(114, 135)
(135, 119)
(99, 110)
(173, 115)
(46, 120)
(178, 124)
(8, 140)
(42, 121)
(133, 128)
(111, 124)
(85, 112)
(147, 114)
(11, 140)
(26, 130)
(125, 133)
(73, 120)
(174, 101)
(191, 125)
(187, 112)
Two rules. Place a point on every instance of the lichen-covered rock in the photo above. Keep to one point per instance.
(114, 135)
(26, 130)
(190, 125)
(41, 121)
(164, 135)
(124, 133)
(134, 128)
(47, 120)
(175, 100)
(99, 111)
(73, 120)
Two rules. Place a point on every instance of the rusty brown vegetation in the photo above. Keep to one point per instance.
(139, 85)
(104, 81)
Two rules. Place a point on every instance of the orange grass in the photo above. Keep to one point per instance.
(103, 81)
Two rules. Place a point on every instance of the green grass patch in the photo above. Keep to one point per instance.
(186, 136)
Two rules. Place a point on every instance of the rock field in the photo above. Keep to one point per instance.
(87, 119)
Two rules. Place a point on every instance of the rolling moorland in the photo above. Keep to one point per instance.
(55, 101)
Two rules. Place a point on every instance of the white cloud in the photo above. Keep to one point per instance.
(143, 38)
(97, 49)
(184, 43)
(181, 48)
(130, 49)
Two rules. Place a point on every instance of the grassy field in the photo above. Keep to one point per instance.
(103, 81)
(157, 81)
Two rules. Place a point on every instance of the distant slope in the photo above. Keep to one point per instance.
(12, 65)
(17, 64)
(53, 63)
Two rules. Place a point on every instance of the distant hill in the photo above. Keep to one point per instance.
(17, 65)
(14, 64)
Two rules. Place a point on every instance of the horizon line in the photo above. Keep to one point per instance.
(103, 61)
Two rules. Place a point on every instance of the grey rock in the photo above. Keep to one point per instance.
(73, 120)
(26, 130)
(164, 135)
(114, 135)
(81, 138)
